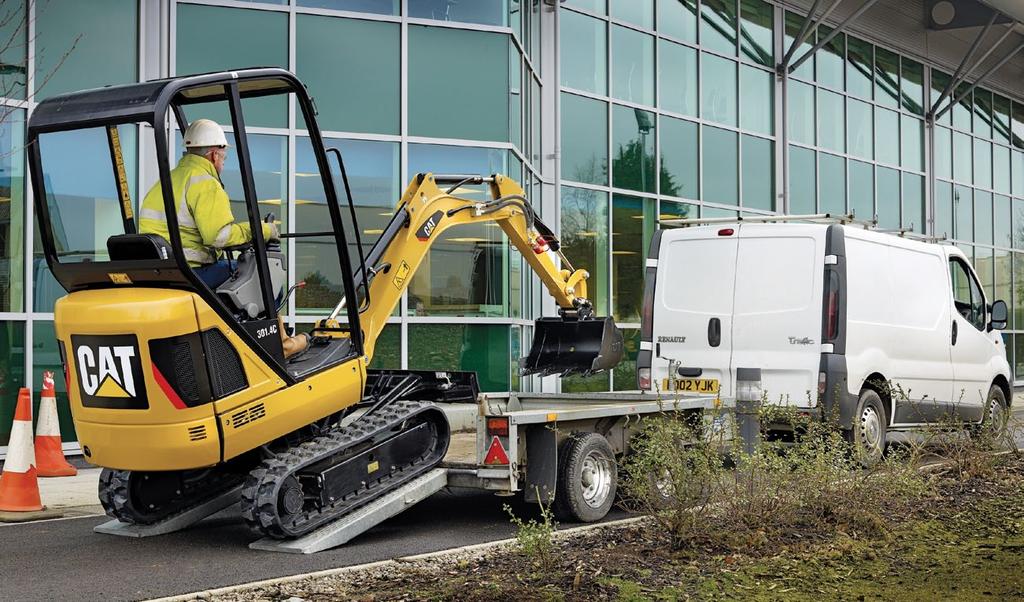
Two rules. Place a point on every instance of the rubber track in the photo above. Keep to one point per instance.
(116, 501)
(260, 493)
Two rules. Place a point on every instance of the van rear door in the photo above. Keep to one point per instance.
(693, 307)
(777, 322)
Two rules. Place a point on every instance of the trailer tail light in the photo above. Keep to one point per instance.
(832, 307)
(497, 427)
(643, 378)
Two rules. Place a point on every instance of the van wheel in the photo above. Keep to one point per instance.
(868, 433)
(587, 478)
(993, 422)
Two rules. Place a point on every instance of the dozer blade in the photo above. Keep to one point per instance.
(569, 346)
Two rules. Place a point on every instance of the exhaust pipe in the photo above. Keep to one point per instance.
(567, 346)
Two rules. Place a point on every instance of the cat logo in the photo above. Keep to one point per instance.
(109, 371)
(428, 227)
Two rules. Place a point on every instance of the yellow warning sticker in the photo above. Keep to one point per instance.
(119, 278)
(122, 176)
(401, 273)
(372, 467)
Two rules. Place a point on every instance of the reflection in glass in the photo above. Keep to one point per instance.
(862, 190)
(380, 7)
(982, 163)
(624, 375)
(793, 24)
(887, 136)
(1017, 168)
(887, 184)
(679, 158)
(913, 203)
(583, 62)
(1000, 168)
(1002, 289)
(911, 143)
(860, 56)
(718, 26)
(758, 173)
(963, 210)
(861, 129)
(831, 184)
(962, 110)
(718, 89)
(46, 356)
(482, 348)
(633, 224)
(831, 59)
(1002, 235)
(756, 24)
(637, 12)
(387, 350)
(12, 372)
(484, 12)
(12, 212)
(912, 85)
(800, 112)
(595, 6)
(678, 18)
(720, 166)
(584, 139)
(939, 82)
(944, 209)
(831, 118)
(14, 33)
(982, 112)
(983, 217)
(963, 164)
(756, 100)
(1001, 119)
(943, 153)
(584, 237)
(887, 82)
(677, 78)
(802, 180)
(632, 65)
(633, 159)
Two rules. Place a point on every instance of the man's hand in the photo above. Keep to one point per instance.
(275, 232)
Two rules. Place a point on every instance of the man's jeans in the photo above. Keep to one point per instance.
(214, 274)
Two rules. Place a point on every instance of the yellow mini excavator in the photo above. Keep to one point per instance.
(181, 392)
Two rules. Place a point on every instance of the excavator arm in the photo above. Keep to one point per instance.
(574, 342)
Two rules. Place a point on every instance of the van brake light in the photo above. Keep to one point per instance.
(643, 378)
(726, 232)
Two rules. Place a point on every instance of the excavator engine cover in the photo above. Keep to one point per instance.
(569, 346)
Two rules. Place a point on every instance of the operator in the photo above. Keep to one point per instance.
(203, 208)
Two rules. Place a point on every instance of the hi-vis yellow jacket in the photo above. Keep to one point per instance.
(203, 210)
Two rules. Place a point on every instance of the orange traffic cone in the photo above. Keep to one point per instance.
(19, 490)
(50, 459)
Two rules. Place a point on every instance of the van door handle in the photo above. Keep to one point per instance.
(954, 332)
(714, 332)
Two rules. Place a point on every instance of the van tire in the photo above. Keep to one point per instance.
(994, 420)
(867, 433)
(587, 478)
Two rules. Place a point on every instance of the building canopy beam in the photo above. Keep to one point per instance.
(954, 81)
(838, 30)
(805, 32)
(984, 76)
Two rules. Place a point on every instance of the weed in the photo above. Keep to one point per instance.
(535, 538)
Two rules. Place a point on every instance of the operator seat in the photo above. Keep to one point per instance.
(134, 247)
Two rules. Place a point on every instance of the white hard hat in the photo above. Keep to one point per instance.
(205, 132)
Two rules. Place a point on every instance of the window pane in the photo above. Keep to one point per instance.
(982, 113)
(720, 166)
(983, 217)
(679, 162)
(485, 12)
(887, 183)
(912, 85)
(352, 96)
(756, 23)
(213, 38)
(758, 173)
(268, 156)
(583, 63)
(913, 202)
(1001, 119)
(14, 50)
(12, 373)
(380, 7)
(1018, 173)
(677, 76)
(46, 357)
(83, 45)
(982, 163)
(861, 128)
(793, 24)
(674, 210)
(944, 209)
(756, 100)
(584, 139)
(943, 153)
(452, 107)
(678, 18)
(625, 372)
(1001, 267)
(831, 118)
(1018, 369)
(1001, 168)
(1018, 231)
(637, 12)
(1001, 220)
(718, 89)
(831, 59)
(802, 180)
(800, 113)
(963, 209)
(1018, 125)
(962, 110)
(862, 190)
(831, 184)
(718, 25)
(632, 65)
(633, 224)
(887, 83)
(939, 82)
(911, 143)
(859, 59)
(483, 349)
(633, 158)
(12, 211)
(595, 6)
(887, 136)
(585, 239)
(963, 170)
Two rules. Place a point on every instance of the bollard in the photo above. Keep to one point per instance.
(748, 407)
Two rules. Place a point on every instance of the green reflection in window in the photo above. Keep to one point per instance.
(584, 237)
(758, 173)
(633, 224)
(861, 129)
(911, 143)
(1018, 369)
(584, 62)
(268, 156)
(963, 164)
(912, 85)
(633, 158)
(12, 216)
(80, 45)
(588, 384)
(677, 76)
(718, 25)
(485, 12)
(756, 25)
(632, 65)
(963, 109)
(1018, 220)
(474, 107)
(887, 82)
(584, 139)
(718, 89)
(939, 82)
(46, 357)
(943, 153)
(12, 373)
(982, 163)
(624, 374)
(831, 184)
(720, 166)
(982, 112)
(14, 50)
(831, 59)
(831, 118)
(860, 56)
(887, 136)
(1001, 219)
(913, 203)
(887, 185)
(983, 266)
(675, 210)
(983, 217)
(944, 209)
(678, 18)
(963, 211)
(1018, 307)
(387, 351)
(1001, 119)
(1003, 286)
(212, 38)
(793, 24)
(352, 96)
(757, 110)
(637, 12)
(862, 190)
(1001, 169)
(679, 158)
(483, 349)
(800, 112)
(380, 7)
(802, 180)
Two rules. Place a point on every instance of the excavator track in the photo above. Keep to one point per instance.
(322, 479)
(145, 498)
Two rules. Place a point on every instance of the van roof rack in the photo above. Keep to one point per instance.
(827, 218)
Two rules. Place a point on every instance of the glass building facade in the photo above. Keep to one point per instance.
(611, 113)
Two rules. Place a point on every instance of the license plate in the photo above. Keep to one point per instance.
(691, 385)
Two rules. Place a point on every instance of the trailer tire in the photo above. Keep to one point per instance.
(587, 478)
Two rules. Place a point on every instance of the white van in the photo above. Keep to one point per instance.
(892, 332)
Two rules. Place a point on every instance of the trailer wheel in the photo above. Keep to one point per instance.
(587, 478)
(868, 433)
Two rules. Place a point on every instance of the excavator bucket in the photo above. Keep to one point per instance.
(568, 346)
